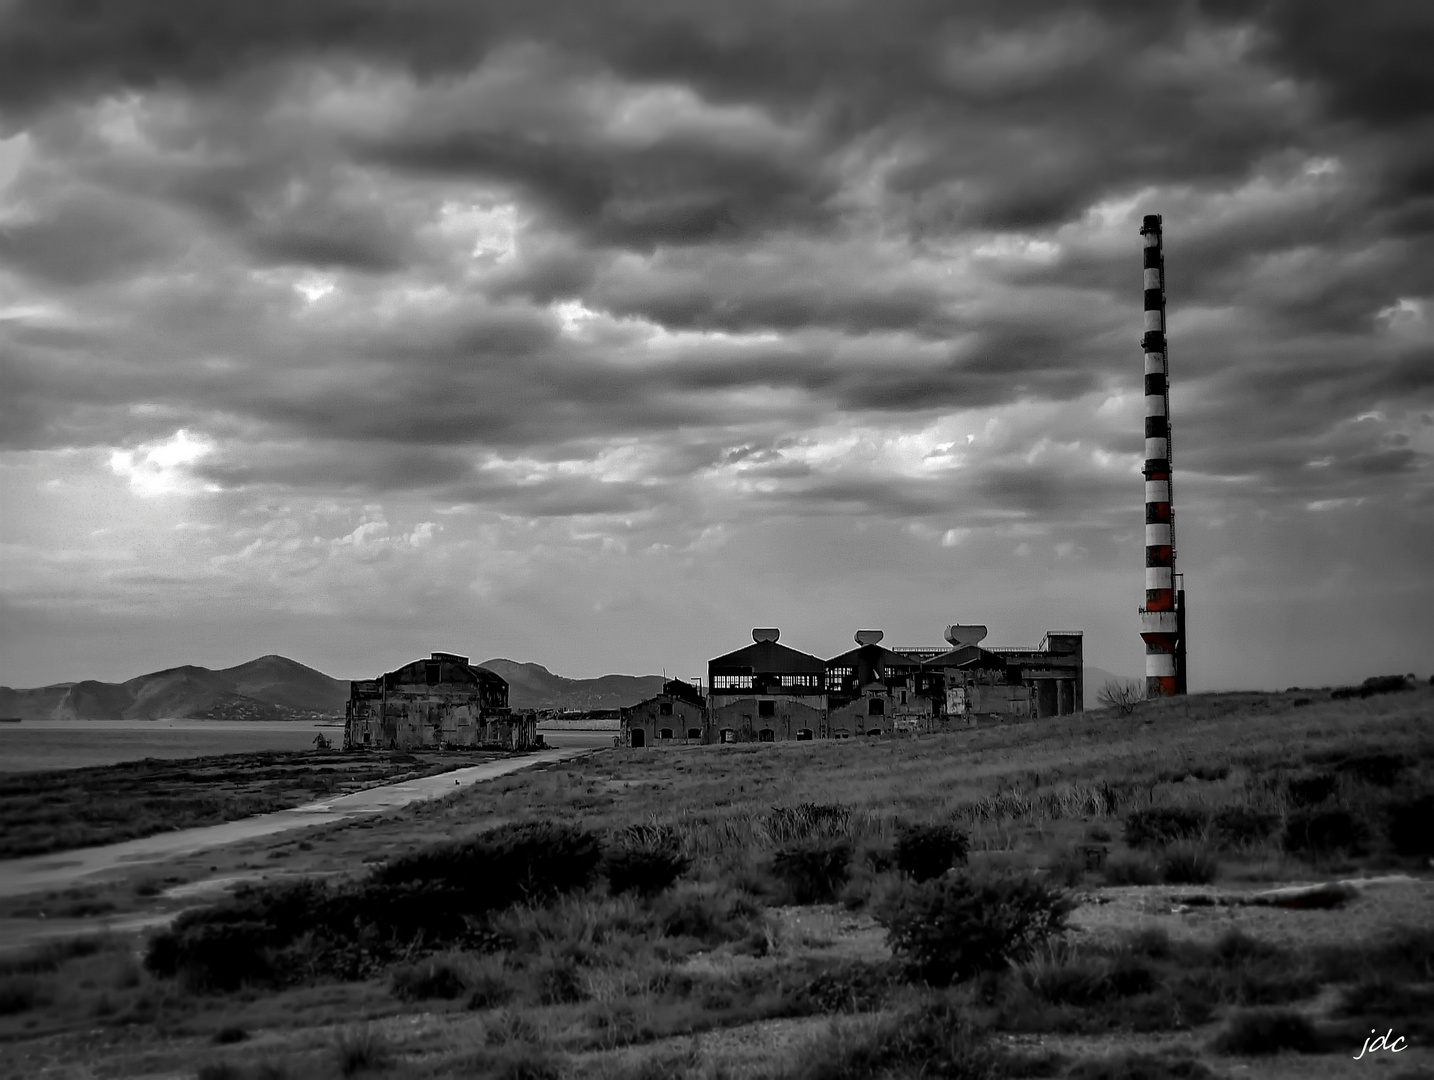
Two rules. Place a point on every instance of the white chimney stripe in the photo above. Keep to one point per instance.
(1152, 319)
(1154, 404)
(1159, 577)
(1159, 664)
(1152, 277)
(1157, 491)
(1154, 363)
(1157, 535)
(1157, 449)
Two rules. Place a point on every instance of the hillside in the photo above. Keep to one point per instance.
(269, 688)
(532, 686)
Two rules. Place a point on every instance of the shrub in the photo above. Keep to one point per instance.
(489, 983)
(1379, 769)
(1157, 826)
(362, 1049)
(1137, 1066)
(851, 987)
(711, 916)
(813, 871)
(1311, 790)
(1067, 869)
(527, 861)
(644, 871)
(1319, 832)
(506, 1028)
(229, 1034)
(927, 851)
(954, 928)
(220, 1070)
(1241, 826)
(19, 994)
(1186, 864)
(428, 980)
(45, 958)
(1268, 1031)
(1151, 941)
(1411, 825)
(1131, 870)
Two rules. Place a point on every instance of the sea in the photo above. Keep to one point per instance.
(42, 745)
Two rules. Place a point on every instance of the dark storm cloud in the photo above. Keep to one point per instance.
(803, 155)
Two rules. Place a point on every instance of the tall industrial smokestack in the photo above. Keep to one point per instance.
(1161, 619)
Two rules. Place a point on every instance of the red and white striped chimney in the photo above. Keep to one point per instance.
(1159, 620)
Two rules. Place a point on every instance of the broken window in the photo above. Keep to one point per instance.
(665, 733)
(766, 708)
(664, 708)
(804, 735)
(876, 707)
(766, 735)
(694, 733)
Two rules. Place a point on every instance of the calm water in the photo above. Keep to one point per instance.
(69, 744)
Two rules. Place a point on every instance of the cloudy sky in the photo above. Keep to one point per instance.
(597, 333)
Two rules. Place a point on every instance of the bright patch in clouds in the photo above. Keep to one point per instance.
(163, 468)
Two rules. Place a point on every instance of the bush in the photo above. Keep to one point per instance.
(1311, 790)
(710, 916)
(1240, 826)
(813, 871)
(1411, 825)
(644, 871)
(928, 851)
(1136, 1066)
(220, 1070)
(524, 862)
(1131, 870)
(1321, 832)
(428, 980)
(1161, 825)
(1379, 769)
(229, 1034)
(954, 928)
(1268, 1031)
(1186, 864)
(19, 994)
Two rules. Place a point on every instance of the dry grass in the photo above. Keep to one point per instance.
(612, 985)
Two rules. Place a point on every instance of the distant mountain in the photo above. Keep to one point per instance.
(532, 686)
(269, 688)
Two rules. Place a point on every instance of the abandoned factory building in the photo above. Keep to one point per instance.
(443, 701)
(678, 713)
(769, 692)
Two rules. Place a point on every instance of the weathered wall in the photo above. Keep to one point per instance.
(647, 717)
(742, 721)
(856, 718)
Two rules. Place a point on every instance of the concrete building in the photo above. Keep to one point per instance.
(965, 681)
(766, 692)
(443, 701)
(677, 715)
(874, 691)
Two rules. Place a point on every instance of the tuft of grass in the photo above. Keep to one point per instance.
(1316, 833)
(229, 1034)
(1260, 1032)
(1188, 864)
(1158, 826)
(362, 1049)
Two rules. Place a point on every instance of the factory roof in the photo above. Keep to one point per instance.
(768, 657)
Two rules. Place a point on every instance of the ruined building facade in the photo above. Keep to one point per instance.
(769, 692)
(443, 701)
